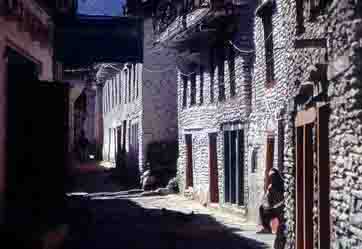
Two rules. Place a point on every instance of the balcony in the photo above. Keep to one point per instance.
(172, 17)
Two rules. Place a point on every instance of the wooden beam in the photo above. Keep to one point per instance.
(310, 43)
(305, 117)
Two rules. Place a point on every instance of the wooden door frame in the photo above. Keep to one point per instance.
(189, 161)
(213, 171)
(269, 158)
(305, 121)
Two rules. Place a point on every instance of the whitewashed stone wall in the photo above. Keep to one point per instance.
(202, 119)
(155, 110)
(268, 103)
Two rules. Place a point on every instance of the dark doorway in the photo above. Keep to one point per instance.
(234, 166)
(119, 139)
(312, 142)
(189, 161)
(213, 170)
(37, 148)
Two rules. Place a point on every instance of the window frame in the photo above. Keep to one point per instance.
(201, 97)
(221, 74)
(267, 20)
(193, 89)
(212, 75)
(231, 67)
(184, 80)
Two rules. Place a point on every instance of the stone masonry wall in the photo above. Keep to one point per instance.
(268, 102)
(207, 117)
(340, 25)
(203, 119)
(345, 92)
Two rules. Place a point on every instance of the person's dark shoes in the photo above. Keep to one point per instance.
(263, 231)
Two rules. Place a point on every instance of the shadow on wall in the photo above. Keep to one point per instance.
(127, 172)
(161, 160)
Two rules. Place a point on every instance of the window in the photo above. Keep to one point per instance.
(300, 16)
(116, 89)
(134, 82)
(103, 101)
(221, 72)
(212, 74)
(125, 86)
(114, 98)
(316, 8)
(137, 79)
(231, 64)
(129, 135)
(193, 89)
(129, 84)
(201, 85)
(184, 94)
(254, 161)
(269, 54)
(120, 88)
(109, 95)
(106, 97)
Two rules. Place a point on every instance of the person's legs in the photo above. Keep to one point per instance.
(264, 219)
(280, 239)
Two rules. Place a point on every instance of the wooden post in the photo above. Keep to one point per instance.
(323, 176)
(299, 191)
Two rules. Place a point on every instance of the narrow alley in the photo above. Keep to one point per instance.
(164, 124)
(102, 217)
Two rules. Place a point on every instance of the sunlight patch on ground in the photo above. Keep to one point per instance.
(107, 164)
(77, 194)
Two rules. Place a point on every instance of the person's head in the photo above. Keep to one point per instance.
(276, 178)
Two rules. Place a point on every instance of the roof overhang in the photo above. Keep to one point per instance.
(85, 40)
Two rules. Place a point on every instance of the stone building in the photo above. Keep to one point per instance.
(265, 136)
(214, 82)
(140, 100)
(26, 54)
(312, 52)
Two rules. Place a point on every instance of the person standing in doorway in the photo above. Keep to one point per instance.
(273, 201)
(83, 144)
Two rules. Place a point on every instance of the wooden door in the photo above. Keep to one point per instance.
(269, 160)
(213, 170)
(189, 161)
(311, 133)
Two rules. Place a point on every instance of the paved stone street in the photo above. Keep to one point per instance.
(100, 216)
